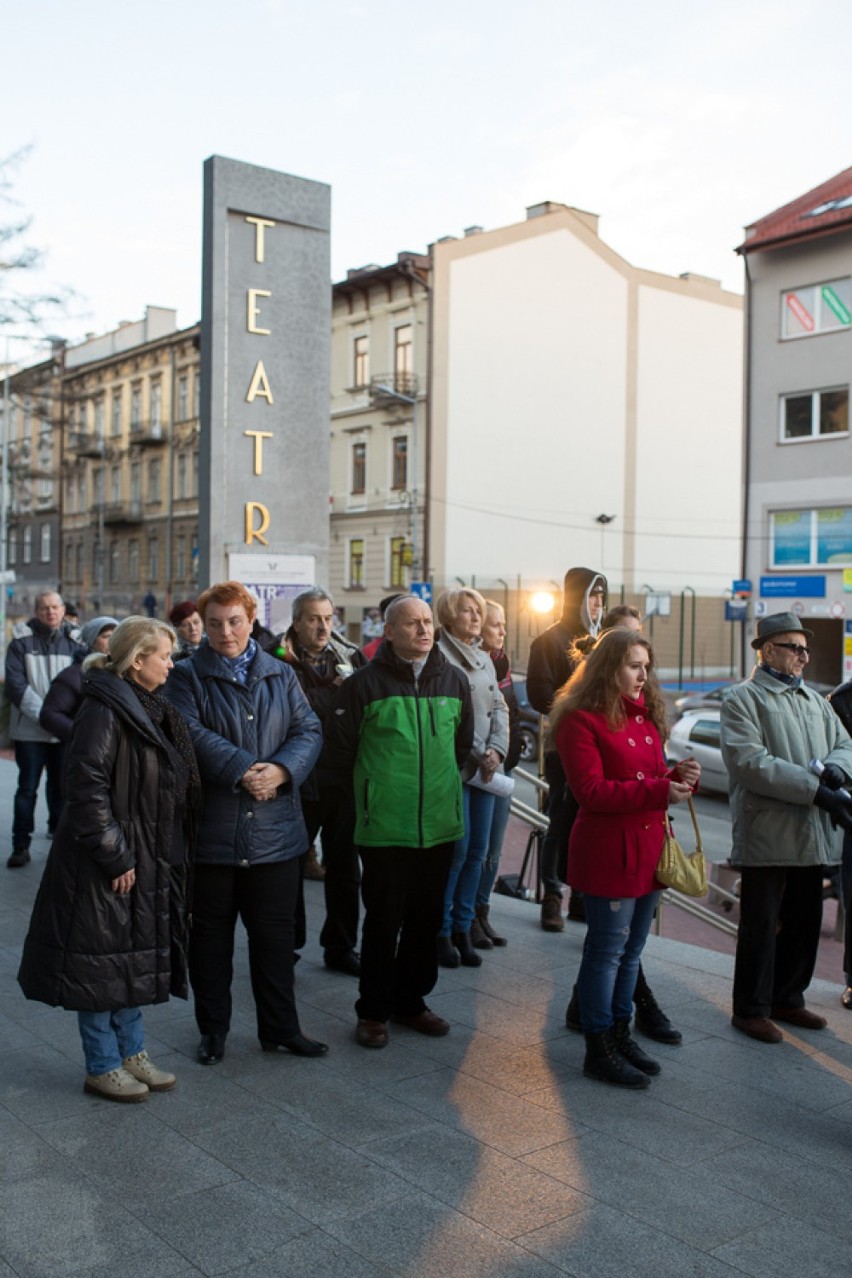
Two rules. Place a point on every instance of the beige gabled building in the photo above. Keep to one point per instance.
(130, 466)
(380, 360)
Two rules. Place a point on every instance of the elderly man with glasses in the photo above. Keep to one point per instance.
(787, 818)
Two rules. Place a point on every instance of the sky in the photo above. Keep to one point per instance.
(677, 123)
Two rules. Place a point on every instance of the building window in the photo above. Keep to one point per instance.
(358, 485)
(195, 473)
(114, 561)
(12, 549)
(181, 476)
(153, 558)
(99, 417)
(183, 399)
(397, 563)
(116, 411)
(135, 406)
(28, 545)
(44, 544)
(70, 494)
(180, 558)
(361, 359)
(817, 308)
(815, 414)
(81, 491)
(403, 352)
(78, 559)
(811, 538)
(115, 485)
(68, 566)
(156, 405)
(399, 462)
(98, 485)
(154, 471)
(133, 560)
(356, 563)
(135, 483)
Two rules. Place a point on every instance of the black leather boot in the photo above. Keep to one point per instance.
(631, 1050)
(605, 1063)
(479, 937)
(650, 1017)
(464, 945)
(448, 955)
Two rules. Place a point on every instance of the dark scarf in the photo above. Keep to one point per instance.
(792, 681)
(174, 734)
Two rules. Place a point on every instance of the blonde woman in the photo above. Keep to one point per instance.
(108, 930)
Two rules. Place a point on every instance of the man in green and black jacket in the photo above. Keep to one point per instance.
(397, 733)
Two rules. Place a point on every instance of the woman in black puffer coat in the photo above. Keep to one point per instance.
(108, 933)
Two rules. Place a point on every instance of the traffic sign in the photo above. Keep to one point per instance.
(423, 590)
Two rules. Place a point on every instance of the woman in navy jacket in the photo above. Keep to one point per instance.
(608, 723)
(256, 739)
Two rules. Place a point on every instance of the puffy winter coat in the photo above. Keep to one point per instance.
(399, 742)
(34, 658)
(620, 780)
(770, 733)
(63, 701)
(89, 948)
(233, 725)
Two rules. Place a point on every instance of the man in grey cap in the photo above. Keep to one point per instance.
(785, 820)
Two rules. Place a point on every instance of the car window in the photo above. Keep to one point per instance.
(705, 732)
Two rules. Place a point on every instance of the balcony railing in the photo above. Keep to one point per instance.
(86, 444)
(147, 433)
(381, 384)
(120, 512)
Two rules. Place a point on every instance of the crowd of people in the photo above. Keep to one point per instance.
(193, 763)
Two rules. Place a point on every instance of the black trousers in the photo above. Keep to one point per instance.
(264, 897)
(778, 937)
(403, 890)
(846, 892)
(561, 811)
(334, 813)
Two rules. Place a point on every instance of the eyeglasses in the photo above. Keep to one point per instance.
(799, 648)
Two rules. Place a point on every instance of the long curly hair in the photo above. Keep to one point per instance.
(593, 685)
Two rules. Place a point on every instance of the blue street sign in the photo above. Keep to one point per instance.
(741, 587)
(423, 590)
(804, 587)
(735, 609)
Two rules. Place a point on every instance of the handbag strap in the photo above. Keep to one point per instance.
(699, 847)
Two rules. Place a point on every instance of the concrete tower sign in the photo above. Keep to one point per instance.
(265, 350)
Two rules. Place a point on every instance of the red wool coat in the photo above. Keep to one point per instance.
(620, 780)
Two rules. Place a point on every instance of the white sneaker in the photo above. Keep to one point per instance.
(143, 1068)
(117, 1085)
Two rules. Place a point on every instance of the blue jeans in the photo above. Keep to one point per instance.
(616, 936)
(32, 757)
(468, 855)
(491, 864)
(110, 1037)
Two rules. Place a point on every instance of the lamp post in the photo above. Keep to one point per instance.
(381, 388)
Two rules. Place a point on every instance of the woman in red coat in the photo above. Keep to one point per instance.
(609, 724)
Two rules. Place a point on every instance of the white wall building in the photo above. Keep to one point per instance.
(569, 385)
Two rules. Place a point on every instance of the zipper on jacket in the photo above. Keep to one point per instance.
(366, 802)
(432, 716)
(420, 760)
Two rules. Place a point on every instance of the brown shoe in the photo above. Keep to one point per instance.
(371, 1034)
(425, 1022)
(314, 868)
(799, 1016)
(551, 913)
(478, 936)
(759, 1027)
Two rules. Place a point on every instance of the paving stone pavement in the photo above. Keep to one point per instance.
(485, 1154)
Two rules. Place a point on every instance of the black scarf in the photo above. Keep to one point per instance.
(175, 736)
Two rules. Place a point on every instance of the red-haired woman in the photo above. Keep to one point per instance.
(608, 723)
(256, 739)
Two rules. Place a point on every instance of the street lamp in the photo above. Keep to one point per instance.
(388, 392)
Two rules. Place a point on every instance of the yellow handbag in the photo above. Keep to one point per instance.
(684, 872)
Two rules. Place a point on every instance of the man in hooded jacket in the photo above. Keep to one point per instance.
(550, 666)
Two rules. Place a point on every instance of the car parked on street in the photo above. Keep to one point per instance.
(530, 721)
(696, 735)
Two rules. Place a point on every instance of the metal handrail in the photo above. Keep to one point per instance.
(538, 821)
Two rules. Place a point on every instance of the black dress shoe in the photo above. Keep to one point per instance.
(348, 962)
(211, 1049)
(298, 1045)
(20, 856)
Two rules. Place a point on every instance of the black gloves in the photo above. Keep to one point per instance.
(832, 776)
(838, 806)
